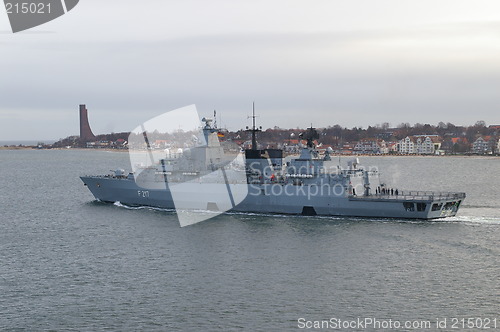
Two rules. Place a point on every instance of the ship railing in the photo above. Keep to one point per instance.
(414, 196)
(434, 195)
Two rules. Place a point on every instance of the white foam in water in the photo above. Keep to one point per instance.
(475, 219)
(477, 215)
(119, 204)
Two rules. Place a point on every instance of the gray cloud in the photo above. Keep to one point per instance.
(354, 78)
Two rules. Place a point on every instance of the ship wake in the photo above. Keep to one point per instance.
(152, 208)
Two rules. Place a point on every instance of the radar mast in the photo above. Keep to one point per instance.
(254, 129)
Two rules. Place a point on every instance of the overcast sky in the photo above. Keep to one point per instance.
(350, 62)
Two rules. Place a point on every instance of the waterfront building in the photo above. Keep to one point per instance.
(371, 146)
(483, 145)
(425, 144)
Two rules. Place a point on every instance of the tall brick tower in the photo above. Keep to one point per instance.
(85, 131)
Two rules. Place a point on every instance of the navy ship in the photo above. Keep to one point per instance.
(209, 176)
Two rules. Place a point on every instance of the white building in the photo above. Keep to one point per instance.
(419, 145)
(424, 145)
(371, 147)
(483, 145)
(406, 145)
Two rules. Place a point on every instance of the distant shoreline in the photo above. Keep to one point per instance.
(47, 149)
(13, 148)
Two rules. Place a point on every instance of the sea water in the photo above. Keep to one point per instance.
(70, 263)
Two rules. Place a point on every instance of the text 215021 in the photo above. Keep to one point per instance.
(28, 8)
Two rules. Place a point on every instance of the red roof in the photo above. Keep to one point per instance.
(294, 141)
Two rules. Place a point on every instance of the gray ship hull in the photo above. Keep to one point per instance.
(278, 198)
